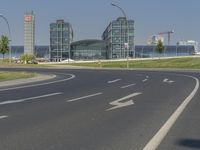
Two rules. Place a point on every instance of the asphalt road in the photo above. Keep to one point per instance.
(102, 110)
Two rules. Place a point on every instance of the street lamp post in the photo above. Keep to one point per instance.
(2, 16)
(119, 8)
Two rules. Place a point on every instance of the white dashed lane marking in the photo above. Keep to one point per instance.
(27, 99)
(3, 117)
(84, 97)
(113, 81)
(126, 86)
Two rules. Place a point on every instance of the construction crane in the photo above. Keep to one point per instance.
(168, 33)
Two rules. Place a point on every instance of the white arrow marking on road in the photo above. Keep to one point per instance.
(118, 103)
(26, 99)
(144, 80)
(3, 117)
(147, 77)
(167, 81)
(114, 81)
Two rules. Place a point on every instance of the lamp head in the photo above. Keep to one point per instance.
(113, 4)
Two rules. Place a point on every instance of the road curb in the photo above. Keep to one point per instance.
(39, 77)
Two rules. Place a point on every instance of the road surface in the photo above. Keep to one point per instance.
(102, 110)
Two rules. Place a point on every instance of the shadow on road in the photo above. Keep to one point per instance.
(190, 143)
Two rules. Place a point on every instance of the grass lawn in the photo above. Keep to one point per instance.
(4, 76)
(172, 63)
(179, 63)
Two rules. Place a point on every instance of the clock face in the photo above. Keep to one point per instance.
(27, 18)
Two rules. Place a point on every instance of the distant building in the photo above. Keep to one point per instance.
(119, 36)
(61, 36)
(117, 42)
(29, 33)
(190, 42)
(153, 40)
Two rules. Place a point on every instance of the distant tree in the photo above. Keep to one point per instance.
(4, 45)
(27, 58)
(160, 47)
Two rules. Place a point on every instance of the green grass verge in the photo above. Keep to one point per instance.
(22, 65)
(5, 76)
(173, 63)
(181, 63)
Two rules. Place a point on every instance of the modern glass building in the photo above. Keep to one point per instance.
(61, 36)
(96, 49)
(29, 33)
(119, 37)
(88, 49)
(143, 51)
(39, 51)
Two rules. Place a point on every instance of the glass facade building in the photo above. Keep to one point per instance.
(144, 51)
(39, 51)
(96, 49)
(29, 33)
(119, 36)
(88, 49)
(61, 36)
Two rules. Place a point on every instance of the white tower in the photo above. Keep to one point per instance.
(29, 33)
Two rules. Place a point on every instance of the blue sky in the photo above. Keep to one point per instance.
(89, 18)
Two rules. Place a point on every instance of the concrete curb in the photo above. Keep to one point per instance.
(130, 69)
(40, 77)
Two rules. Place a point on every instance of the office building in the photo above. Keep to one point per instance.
(61, 36)
(119, 36)
(29, 33)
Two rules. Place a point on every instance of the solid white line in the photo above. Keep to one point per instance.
(159, 136)
(126, 86)
(26, 99)
(3, 117)
(40, 84)
(84, 97)
(113, 81)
